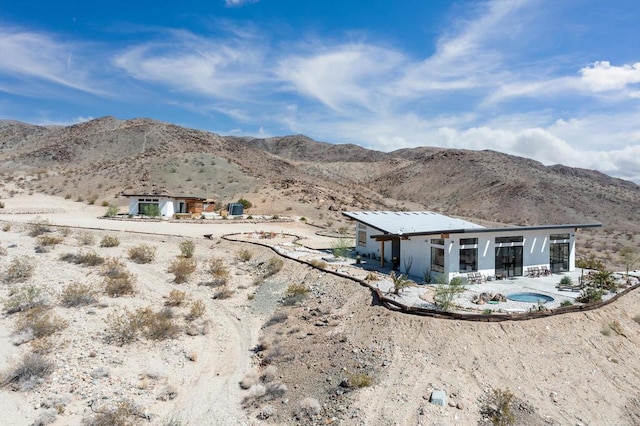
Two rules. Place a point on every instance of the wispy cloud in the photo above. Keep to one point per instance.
(238, 3)
(223, 68)
(29, 55)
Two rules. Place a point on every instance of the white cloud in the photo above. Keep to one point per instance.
(602, 76)
(31, 55)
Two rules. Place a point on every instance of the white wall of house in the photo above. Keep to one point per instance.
(535, 246)
(166, 205)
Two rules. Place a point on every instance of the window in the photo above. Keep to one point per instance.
(437, 259)
(517, 239)
(556, 237)
(437, 241)
(468, 260)
(468, 241)
(362, 238)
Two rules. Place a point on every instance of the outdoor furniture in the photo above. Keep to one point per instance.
(545, 271)
(533, 271)
(475, 278)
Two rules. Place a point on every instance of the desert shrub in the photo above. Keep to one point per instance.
(152, 210)
(104, 203)
(244, 255)
(272, 266)
(157, 325)
(20, 269)
(3, 251)
(616, 327)
(295, 293)
(246, 204)
(318, 263)
(121, 284)
(48, 240)
(142, 253)
(6, 227)
(122, 328)
(566, 280)
(90, 258)
(25, 297)
(590, 295)
(91, 199)
(498, 408)
(113, 267)
(358, 380)
(85, 238)
(182, 267)
(197, 310)
(251, 378)
(28, 372)
(445, 293)
(109, 241)
(39, 227)
(219, 272)
(112, 210)
(64, 231)
(123, 413)
(341, 247)
(400, 282)
(309, 408)
(223, 292)
(566, 303)
(187, 248)
(1, 204)
(276, 319)
(78, 294)
(372, 276)
(175, 298)
(39, 322)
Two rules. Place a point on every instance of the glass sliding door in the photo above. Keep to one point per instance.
(559, 257)
(509, 261)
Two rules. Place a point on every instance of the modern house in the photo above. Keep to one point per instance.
(166, 205)
(426, 241)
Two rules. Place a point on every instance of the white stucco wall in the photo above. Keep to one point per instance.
(165, 204)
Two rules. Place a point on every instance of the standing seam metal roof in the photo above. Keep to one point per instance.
(410, 222)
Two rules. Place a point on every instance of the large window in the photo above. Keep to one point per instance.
(148, 207)
(437, 259)
(559, 257)
(468, 260)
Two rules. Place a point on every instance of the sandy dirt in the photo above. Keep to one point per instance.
(571, 369)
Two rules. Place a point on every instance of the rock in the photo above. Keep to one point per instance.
(452, 404)
(460, 406)
(499, 298)
(485, 297)
(439, 397)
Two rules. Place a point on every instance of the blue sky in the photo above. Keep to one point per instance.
(556, 81)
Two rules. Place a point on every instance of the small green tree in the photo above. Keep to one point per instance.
(400, 282)
(630, 257)
(246, 204)
(151, 210)
(445, 293)
(112, 211)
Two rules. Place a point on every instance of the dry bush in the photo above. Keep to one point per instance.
(122, 328)
(109, 241)
(90, 258)
(20, 269)
(182, 267)
(28, 372)
(142, 253)
(3, 251)
(78, 294)
(85, 238)
(187, 248)
(276, 318)
(157, 325)
(113, 267)
(309, 408)
(123, 413)
(318, 263)
(249, 379)
(269, 374)
(48, 240)
(358, 380)
(65, 232)
(219, 272)
(39, 227)
(272, 266)
(197, 310)
(244, 255)
(499, 407)
(6, 227)
(175, 298)
(120, 284)
(372, 276)
(39, 322)
(223, 292)
(25, 297)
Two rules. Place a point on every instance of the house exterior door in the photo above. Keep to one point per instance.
(395, 252)
(509, 261)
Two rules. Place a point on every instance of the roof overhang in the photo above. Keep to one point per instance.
(185, 197)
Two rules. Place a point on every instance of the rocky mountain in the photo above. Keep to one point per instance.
(315, 179)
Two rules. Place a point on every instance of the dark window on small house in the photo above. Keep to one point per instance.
(437, 259)
(468, 241)
(555, 237)
(437, 241)
(515, 239)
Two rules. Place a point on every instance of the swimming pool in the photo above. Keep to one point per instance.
(530, 297)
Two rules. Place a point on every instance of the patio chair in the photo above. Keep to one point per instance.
(545, 271)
